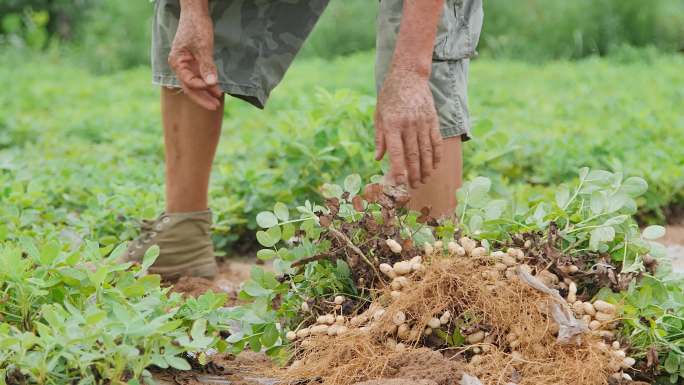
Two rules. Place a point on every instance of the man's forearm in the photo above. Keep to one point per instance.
(200, 7)
(416, 39)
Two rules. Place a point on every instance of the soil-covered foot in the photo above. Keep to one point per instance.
(184, 242)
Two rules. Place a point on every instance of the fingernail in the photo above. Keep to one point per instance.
(211, 79)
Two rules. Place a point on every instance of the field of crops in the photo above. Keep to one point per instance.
(81, 159)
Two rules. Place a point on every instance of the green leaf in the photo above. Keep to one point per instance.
(343, 269)
(616, 220)
(597, 202)
(653, 232)
(95, 318)
(598, 176)
(274, 234)
(281, 211)
(132, 291)
(254, 289)
(199, 327)
(634, 186)
(48, 253)
(457, 339)
(270, 336)
(150, 256)
(475, 223)
(672, 363)
(657, 250)
(266, 254)
(98, 277)
(494, 209)
(221, 346)
(29, 246)
(266, 279)
(479, 185)
(265, 240)
(177, 362)
(266, 219)
(478, 191)
(288, 231)
(352, 184)
(330, 191)
(170, 326)
(255, 343)
(618, 202)
(118, 252)
(599, 235)
(562, 196)
(283, 267)
(50, 314)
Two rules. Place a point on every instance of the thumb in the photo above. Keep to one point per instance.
(208, 69)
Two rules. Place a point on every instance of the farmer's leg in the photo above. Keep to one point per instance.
(439, 191)
(182, 233)
(191, 134)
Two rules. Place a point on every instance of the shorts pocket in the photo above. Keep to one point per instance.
(459, 30)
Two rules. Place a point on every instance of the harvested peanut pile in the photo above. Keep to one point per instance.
(489, 315)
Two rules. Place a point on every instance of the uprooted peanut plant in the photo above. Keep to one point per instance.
(545, 294)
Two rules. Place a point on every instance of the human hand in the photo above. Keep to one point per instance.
(407, 127)
(192, 55)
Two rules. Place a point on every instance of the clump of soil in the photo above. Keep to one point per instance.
(195, 286)
(228, 280)
(424, 364)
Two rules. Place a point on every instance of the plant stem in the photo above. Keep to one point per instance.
(353, 247)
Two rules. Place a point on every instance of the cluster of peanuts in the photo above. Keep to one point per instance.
(402, 329)
(600, 316)
(400, 271)
(406, 331)
(327, 324)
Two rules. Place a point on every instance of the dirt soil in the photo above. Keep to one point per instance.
(422, 366)
(231, 275)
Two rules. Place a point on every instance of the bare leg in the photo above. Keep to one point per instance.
(191, 134)
(439, 191)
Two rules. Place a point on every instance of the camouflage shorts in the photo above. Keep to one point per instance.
(256, 40)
